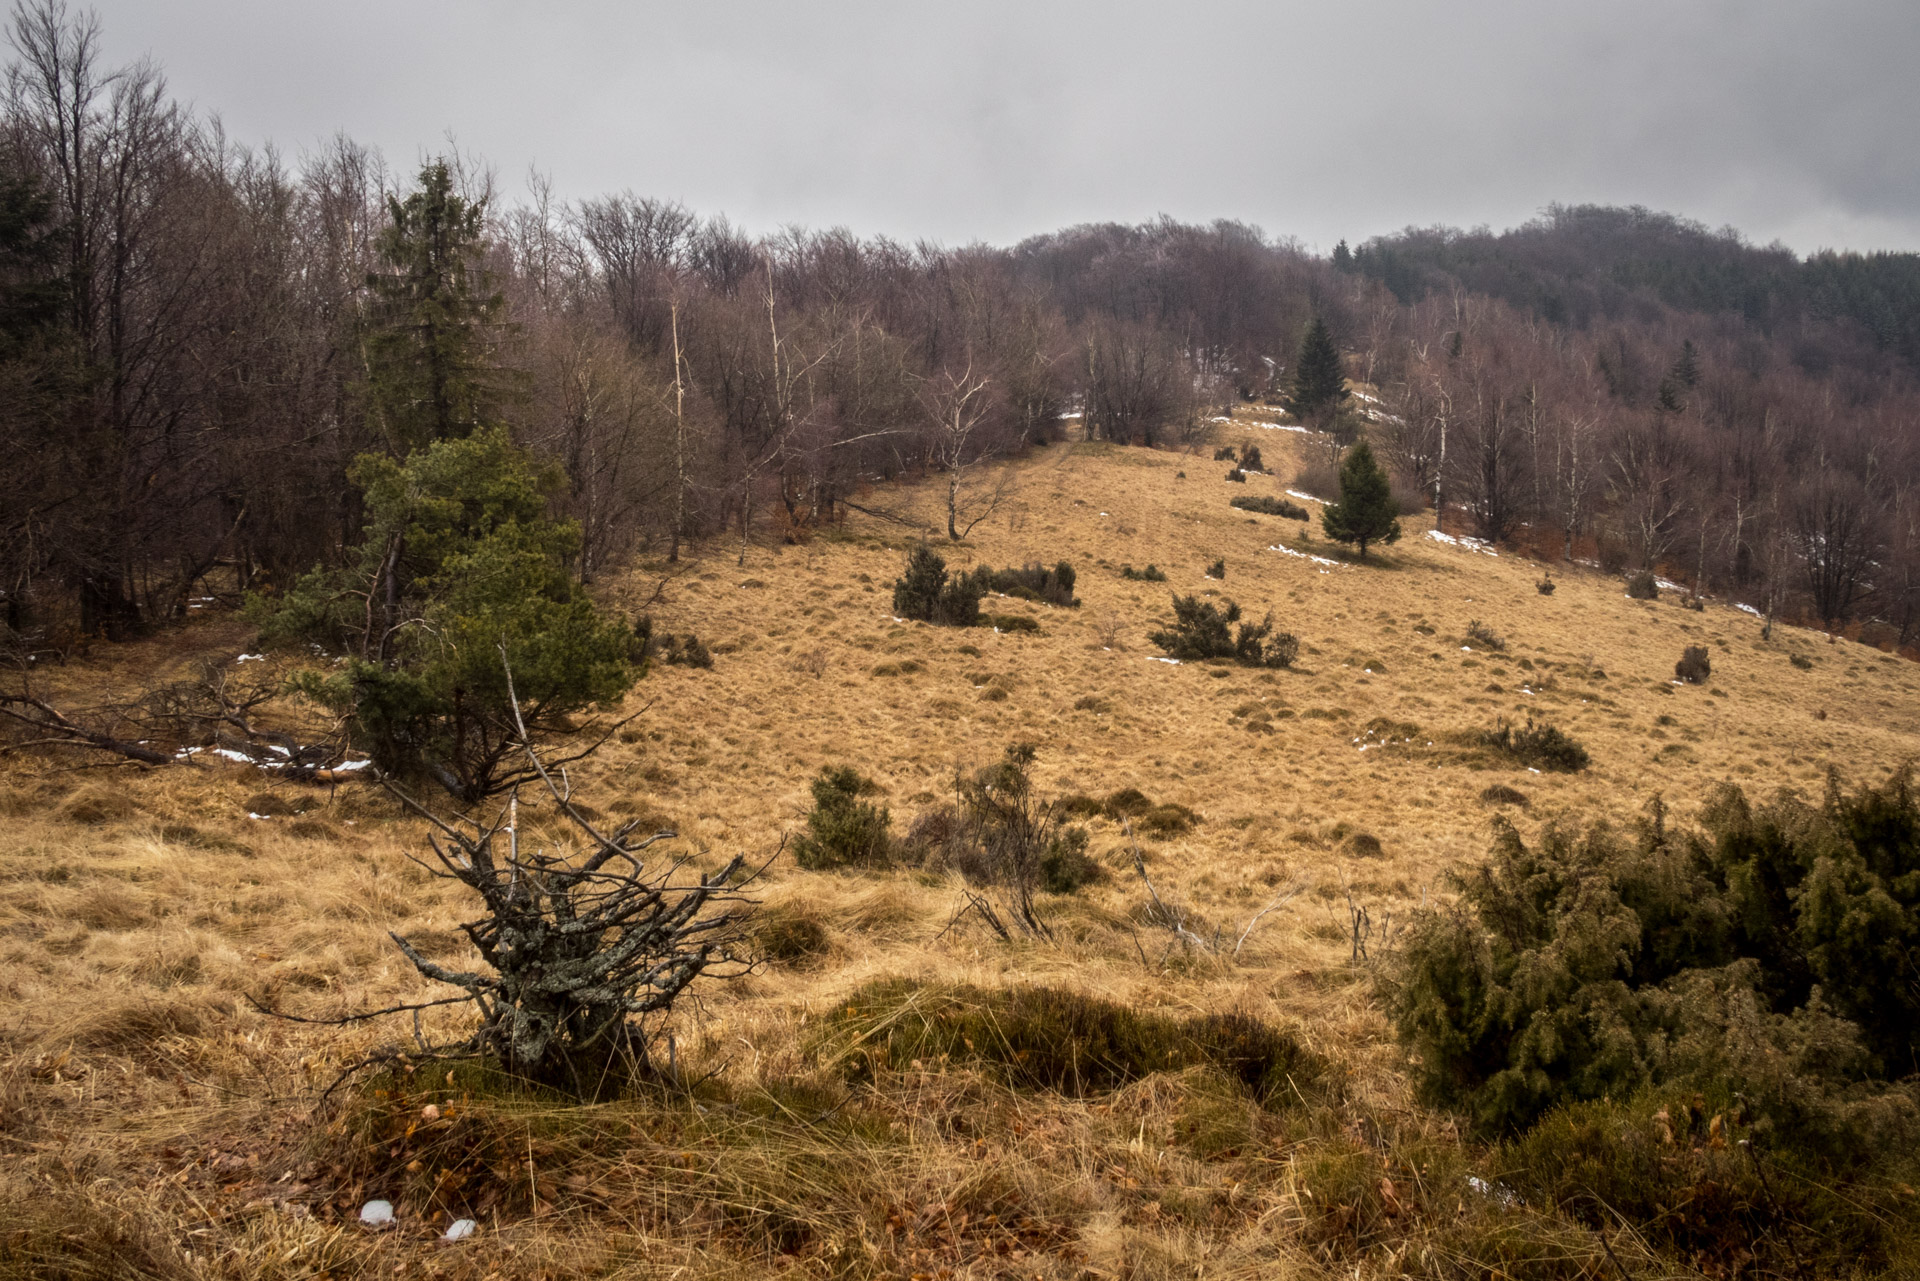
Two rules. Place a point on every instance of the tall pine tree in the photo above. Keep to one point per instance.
(435, 319)
(1366, 512)
(1319, 381)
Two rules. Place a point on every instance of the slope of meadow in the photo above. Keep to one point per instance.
(149, 1116)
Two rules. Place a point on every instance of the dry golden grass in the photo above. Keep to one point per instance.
(144, 1105)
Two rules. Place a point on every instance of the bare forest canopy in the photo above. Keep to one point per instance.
(192, 338)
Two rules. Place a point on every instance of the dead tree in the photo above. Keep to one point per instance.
(582, 945)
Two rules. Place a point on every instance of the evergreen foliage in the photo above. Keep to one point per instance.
(1366, 512)
(1538, 745)
(1036, 582)
(1269, 506)
(1151, 574)
(459, 560)
(1319, 379)
(1695, 665)
(1643, 586)
(926, 591)
(1201, 631)
(430, 369)
(843, 830)
(1766, 956)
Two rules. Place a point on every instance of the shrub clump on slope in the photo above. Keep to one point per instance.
(1661, 1018)
(1771, 951)
(1201, 630)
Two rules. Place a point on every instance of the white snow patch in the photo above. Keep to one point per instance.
(1666, 586)
(1294, 493)
(374, 1214)
(1748, 609)
(227, 753)
(251, 658)
(459, 1230)
(251, 814)
(1071, 413)
(1462, 541)
(1280, 427)
(348, 766)
(1318, 560)
(1174, 661)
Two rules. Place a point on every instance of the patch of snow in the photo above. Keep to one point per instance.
(1318, 560)
(1280, 427)
(1294, 493)
(1174, 661)
(1748, 609)
(251, 658)
(1071, 413)
(1103, 513)
(251, 814)
(348, 766)
(227, 753)
(1466, 649)
(1666, 586)
(459, 1230)
(1464, 542)
(377, 1214)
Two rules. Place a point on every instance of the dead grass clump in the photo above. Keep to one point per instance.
(94, 806)
(650, 816)
(791, 933)
(1092, 703)
(1045, 1038)
(68, 1236)
(135, 1025)
(1168, 819)
(1128, 802)
(271, 805)
(1501, 794)
(109, 907)
(1364, 845)
(313, 829)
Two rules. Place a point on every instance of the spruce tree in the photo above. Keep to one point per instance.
(1319, 382)
(1366, 512)
(436, 314)
(1342, 258)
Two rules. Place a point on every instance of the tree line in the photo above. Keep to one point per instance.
(199, 339)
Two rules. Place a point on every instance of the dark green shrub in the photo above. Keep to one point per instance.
(843, 830)
(926, 591)
(1218, 569)
(1014, 623)
(1041, 1038)
(1224, 454)
(1267, 505)
(1695, 665)
(1751, 959)
(1201, 630)
(1151, 574)
(1036, 582)
(1643, 586)
(1066, 866)
(1237, 476)
(1539, 745)
(1250, 458)
(1545, 586)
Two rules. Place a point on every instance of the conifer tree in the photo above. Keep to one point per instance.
(1319, 382)
(1366, 512)
(436, 313)
(1342, 258)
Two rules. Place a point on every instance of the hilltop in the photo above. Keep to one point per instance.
(149, 1107)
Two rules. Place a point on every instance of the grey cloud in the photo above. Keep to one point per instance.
(996, 120)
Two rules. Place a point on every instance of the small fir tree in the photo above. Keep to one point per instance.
(1319, 381)
(1366, 512)
(1342, 258)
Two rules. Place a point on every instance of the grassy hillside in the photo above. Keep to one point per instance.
(149, 1115)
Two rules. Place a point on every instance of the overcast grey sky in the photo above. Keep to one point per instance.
(994, 120)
